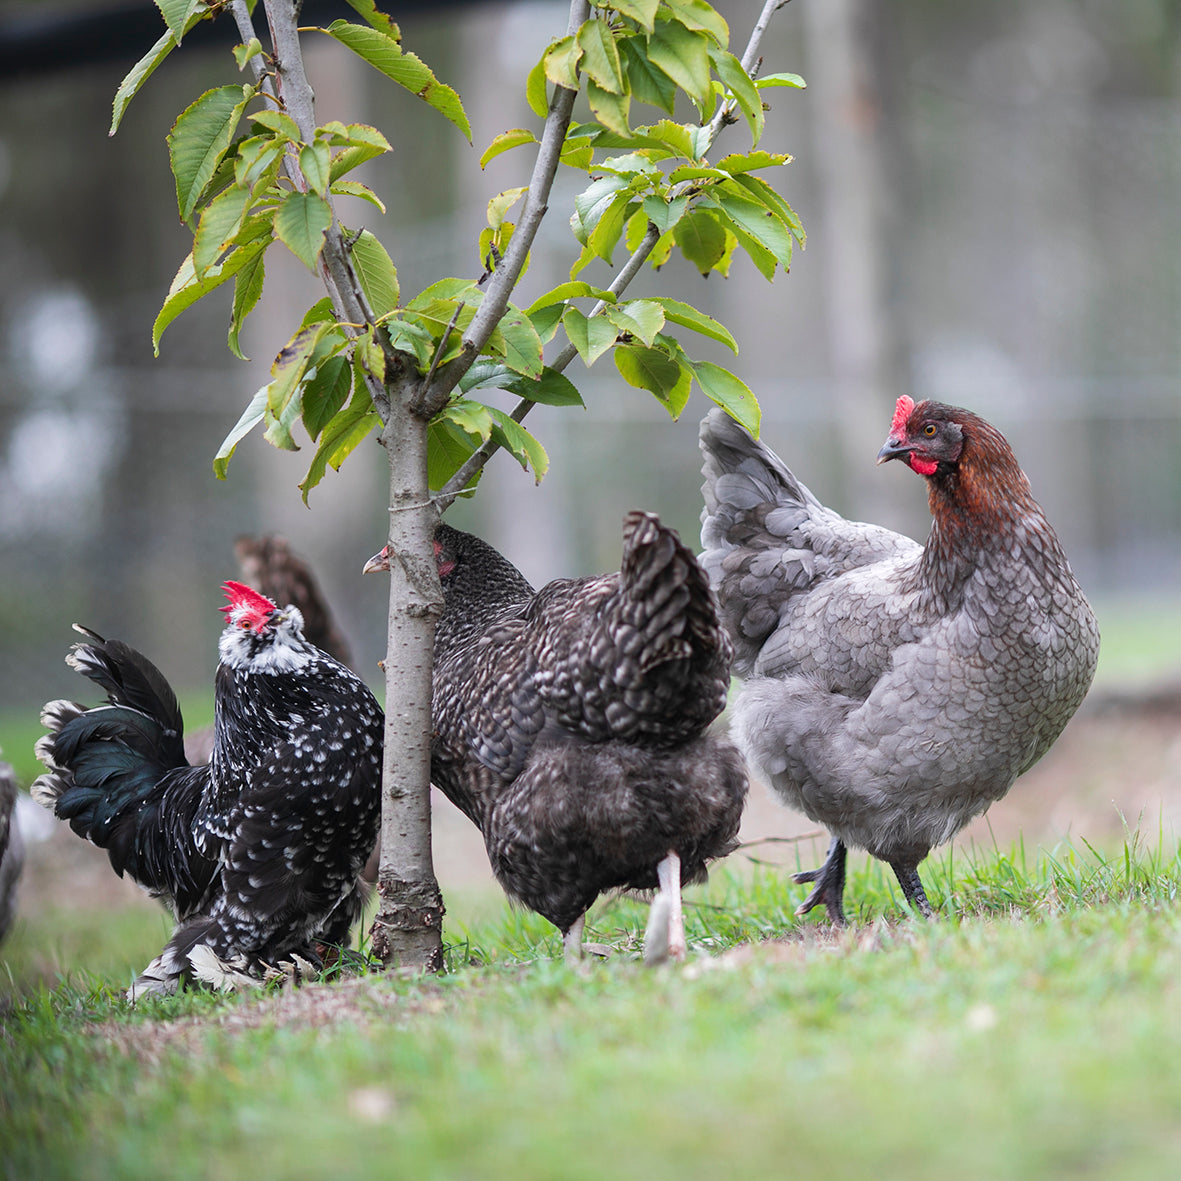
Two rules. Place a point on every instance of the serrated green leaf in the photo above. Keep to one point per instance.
(300, 222)
(654, 370)
(600, 58)
(737, 163)
(325, 393)
(683, 54)
(765, 195)
(687, 316)
(643, 318)
(407, 337)
(314, 164)
(591, 336)
(592, 203)
(220, 222)
(187, 289)
(499, 205)
(518, 442)
(287, 373)
(244, 54)
(448, 288)
(574, 290)
(248, 284)
(377, 273)
(505, 141)
(746, 95)
(545, 320)
(177, 14)
(758, 222)
(603, 238)
(251, 417)
(643, 12)
(343, 434)
(354, 188)
(793, 80)
(701, 238)
(664, 213)
(578, 152)
(535, 90)
(349, 158)
(729, 392)
(696, 172)
(473, 418)
(637, 169)
(449, 447)
(522, 345)
(384, 54)
(610, 109)
(647, 83)
(279, 123)
(145, 67)
(551, 388)
(370, 13)
(561, 63)
(254, 158)
(278, 426)
(321, 312)
(696, 14)
(199, 139)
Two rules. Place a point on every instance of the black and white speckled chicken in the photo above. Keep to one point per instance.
(894, 691)
(570, 725)
(257, 853)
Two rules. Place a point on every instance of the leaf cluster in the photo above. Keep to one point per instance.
(247, 174)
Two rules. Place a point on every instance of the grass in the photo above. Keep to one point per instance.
(1033, 1031)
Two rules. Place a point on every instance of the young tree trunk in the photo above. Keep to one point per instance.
(408, 928)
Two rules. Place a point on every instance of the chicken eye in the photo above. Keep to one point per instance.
(929, 430)
(244, 624)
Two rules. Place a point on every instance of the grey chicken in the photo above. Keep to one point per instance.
(570, 725)
(256, 853)
(893, 691)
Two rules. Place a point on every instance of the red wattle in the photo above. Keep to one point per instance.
(924, 467)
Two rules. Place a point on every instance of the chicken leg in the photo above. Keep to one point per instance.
(907, 873)
(664, 938)
(830, 884)
(572, 940)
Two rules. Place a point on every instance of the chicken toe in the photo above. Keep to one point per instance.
(830, 885)
(907, 874)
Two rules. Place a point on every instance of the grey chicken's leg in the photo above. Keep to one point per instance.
(907, 874)
(830, 884)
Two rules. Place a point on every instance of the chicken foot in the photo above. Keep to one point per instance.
(830, 884)
(572, 940)
(664, 938)
(907, 873)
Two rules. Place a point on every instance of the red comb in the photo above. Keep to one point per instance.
(241, 595)
(902, 412)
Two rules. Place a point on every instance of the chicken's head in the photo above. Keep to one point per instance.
(927, 436)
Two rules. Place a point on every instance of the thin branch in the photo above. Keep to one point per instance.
(504, 279)
(476, 461)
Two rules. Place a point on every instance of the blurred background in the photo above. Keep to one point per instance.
(991, 194)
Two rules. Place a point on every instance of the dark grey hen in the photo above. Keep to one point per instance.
(894, 691)
(569, 724)
(257, 853)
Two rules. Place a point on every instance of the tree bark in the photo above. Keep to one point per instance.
(408, 928)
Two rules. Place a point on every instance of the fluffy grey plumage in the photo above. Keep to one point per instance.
(569, 723)
(894, 691)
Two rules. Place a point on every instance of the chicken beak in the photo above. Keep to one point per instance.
(893, 448)
(379, 561)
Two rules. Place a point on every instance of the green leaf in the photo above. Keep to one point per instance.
(325, 393)
(515, 439)
(592, 203)
(561, 63)
(145, 67)
(522, 345)
(654, 370)
(546, 320)
(746, 95)
(407, 337)
(300, 223)
(321, 312)
(449, 447)
(758, 221)
(605, 235)
(729, 392)
(737, 163)
(369, 11)
(643, 12)
(354, 188)
(220, 222)
(378, 275)
(701, 238)
(187, 289)
(535, 91)
(199, 139)
(251, 417)
(591, 336)
(600, 59)
(551, 388)
(244, 54)
(406, 69)
(343, 434)
(575, 290)
(684, 56)
(578, 152)
(450, 288)
(647, 83)
(687, 316)
(505, 141)
(664, 213)
(178, 14)
(763, 193)
(696, 14)
(281, 125)
(248, 284)
(610, 109)
(289, 367)
(278, 432)
(254, 158)
(499, 205)
(314, 164)
(642, 318)
(793, 80)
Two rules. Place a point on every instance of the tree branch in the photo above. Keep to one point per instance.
(434, 397)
